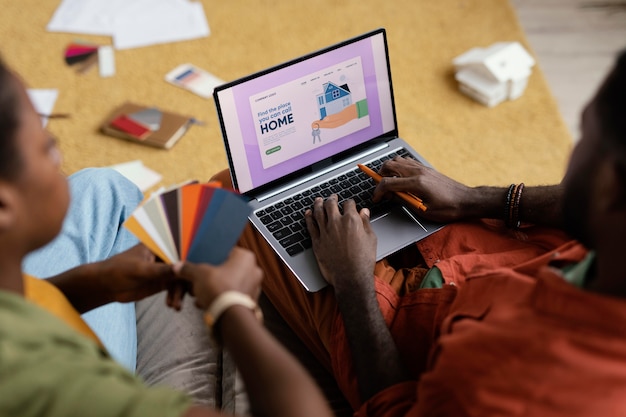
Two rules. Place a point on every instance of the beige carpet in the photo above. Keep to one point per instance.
(524, 140)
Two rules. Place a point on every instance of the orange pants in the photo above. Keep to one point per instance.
(310, 315)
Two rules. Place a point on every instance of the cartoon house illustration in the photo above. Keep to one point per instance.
(334, 99)
(491, 75)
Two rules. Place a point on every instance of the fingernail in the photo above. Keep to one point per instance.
(176, 267)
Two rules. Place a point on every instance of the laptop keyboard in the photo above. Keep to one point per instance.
(285, 219)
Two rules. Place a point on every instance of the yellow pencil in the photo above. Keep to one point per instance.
(413, 201)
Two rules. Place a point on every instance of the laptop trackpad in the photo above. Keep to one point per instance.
(396, 230)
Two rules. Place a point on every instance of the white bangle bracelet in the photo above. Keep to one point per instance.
(226, 300)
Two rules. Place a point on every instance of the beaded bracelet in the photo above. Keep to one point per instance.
(512, 206)
(507, 204)
(515, 220)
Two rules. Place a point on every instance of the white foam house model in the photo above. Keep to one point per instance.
(494, 74)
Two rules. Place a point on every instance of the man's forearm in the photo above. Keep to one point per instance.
(543, 205)
(375, 355)
(276, 383)
(539, 205)
(81, 288)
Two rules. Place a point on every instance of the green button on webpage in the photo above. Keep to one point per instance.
(272, 150)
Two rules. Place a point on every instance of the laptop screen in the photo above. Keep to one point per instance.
(290, 117)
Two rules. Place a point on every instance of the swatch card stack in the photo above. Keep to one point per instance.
(197, 222)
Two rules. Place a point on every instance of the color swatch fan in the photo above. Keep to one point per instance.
(196, 222)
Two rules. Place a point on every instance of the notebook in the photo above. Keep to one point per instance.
(146, 125)
(298, 130)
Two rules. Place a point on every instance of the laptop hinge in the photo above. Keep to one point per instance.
(318, 174)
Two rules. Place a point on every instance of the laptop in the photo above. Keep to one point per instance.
(298, 130)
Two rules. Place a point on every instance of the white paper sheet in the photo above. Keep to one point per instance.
(169, 21)
(138, 173)
(133, 23)
(43, 100)
(91, 17)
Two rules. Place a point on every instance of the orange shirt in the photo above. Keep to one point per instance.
(506, 335)
(542, 347)
(514, 342)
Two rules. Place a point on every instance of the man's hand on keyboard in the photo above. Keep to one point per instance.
(343, 242)
(444, 197)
